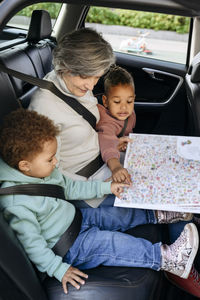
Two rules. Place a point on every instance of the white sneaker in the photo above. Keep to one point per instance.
(178, 257)
(168, 217)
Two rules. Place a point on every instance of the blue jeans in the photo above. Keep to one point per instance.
(101, 240)
(175, 230)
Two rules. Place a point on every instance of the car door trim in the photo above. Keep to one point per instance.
(151, 73)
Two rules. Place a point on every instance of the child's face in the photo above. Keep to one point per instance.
(43, 163)
(120, 101)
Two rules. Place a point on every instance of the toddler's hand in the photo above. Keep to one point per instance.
(117, 188)
(72, 275)
(123, 141)
(108, 179)
(121, 174)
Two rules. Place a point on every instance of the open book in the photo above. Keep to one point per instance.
(165, 172)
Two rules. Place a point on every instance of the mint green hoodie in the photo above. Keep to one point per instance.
(40, 221)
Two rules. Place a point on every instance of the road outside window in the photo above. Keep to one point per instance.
(152, 35)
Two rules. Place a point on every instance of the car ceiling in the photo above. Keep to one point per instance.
(191, 4)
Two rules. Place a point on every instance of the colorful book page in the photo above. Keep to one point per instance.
(165, 172)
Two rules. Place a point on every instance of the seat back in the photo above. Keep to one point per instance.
(18, 279)
(32, 57)
(40, 43)
(8, 100)
(192, 80)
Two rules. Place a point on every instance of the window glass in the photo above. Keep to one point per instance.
(152, 35)
(22, 19)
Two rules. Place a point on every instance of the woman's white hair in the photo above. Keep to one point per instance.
(83, 52)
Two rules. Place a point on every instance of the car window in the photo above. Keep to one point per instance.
(22, 19)
(153, 35)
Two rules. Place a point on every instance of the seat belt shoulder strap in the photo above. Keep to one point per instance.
(46, 190)
(123, 129)
(48, 85)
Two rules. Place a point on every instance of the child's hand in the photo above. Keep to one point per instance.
(121, 174)
(72, 275)
(117, 188)
(108, 179)
(123, 141)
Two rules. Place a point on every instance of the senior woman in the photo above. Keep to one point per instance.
(79, 60)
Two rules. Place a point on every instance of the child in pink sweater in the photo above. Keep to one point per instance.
(117, 119)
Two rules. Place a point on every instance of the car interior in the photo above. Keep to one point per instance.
(167, 102)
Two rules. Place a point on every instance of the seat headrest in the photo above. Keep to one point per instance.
(40, 26)
(194, 69)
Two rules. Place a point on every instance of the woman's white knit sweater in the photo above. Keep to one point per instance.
(78, 141)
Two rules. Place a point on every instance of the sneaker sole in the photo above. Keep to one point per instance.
(193, 253)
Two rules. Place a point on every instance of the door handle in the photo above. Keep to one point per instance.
(154, 75)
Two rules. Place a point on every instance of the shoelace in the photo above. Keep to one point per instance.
(175, 250)
(177, 254)
(179, 242)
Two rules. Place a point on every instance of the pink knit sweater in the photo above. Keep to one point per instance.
(108, 129)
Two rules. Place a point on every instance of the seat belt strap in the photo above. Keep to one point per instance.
(123, 129)
(39, 189)
(55, 191)
(91, 168)
(69, 236)
(48, 85)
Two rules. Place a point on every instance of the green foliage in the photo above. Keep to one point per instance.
(52, 8)
(138, 19)
(109, 16)
(102, 16)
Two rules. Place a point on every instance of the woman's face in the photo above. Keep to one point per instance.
(79, 85)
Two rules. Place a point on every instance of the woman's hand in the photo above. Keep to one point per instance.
(117, 188)
(123, 141)
(121, 174)
(72, 275)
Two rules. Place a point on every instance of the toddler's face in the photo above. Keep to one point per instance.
(120, 101)
(44, 162)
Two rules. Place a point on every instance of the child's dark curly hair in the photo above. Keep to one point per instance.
(115, 76)
(23, 134)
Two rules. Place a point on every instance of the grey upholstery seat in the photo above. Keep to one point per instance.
(40, 26)
(32, 57)
(40, 42)
(192, 80)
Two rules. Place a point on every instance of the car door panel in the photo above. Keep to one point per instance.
(160, 105)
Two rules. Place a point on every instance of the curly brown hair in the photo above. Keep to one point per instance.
(115, 76)
(23, 134)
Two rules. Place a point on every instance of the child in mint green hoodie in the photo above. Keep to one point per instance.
(28, 147)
